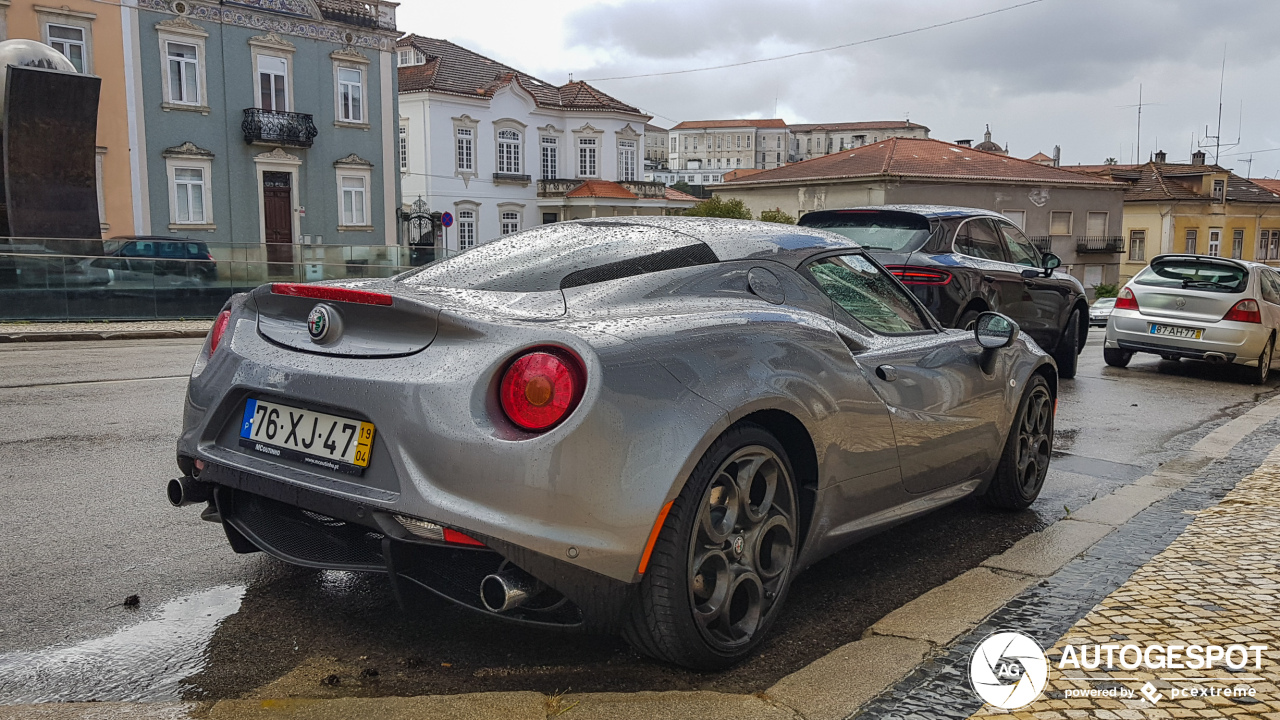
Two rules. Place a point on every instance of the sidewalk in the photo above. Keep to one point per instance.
(138, 330)
(1217, 584)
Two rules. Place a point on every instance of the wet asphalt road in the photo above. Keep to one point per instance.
(86, 441)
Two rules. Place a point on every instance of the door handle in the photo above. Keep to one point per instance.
(988, 278)
(1030, 283)
(888, 373)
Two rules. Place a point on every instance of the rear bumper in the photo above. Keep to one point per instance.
(1239, 343)
(312, 529)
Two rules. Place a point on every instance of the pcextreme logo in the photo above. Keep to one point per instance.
(1008, 670)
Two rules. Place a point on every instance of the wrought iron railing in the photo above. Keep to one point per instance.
(1043, 243)
(1100, 244)
(270, 127)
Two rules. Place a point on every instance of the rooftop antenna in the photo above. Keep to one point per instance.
(1248, 173)
(1217, 138)
(1138, 152)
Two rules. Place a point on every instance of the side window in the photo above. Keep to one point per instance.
(1021, 251)
(977, 238)
(867, 293)
(1270, 287)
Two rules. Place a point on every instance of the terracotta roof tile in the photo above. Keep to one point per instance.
(601, 189)
(674, 194)
(709, 124)
(854, 126)
(1039, 157)
(1177, 181)
(920, 158)
(454, 69)
(1272, 185)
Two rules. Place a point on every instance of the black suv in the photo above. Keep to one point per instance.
(963, 261)
(180, 257)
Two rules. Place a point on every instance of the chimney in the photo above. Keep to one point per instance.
(1162, 157)
(1057, 155)
(965, 143)
(1197, 157)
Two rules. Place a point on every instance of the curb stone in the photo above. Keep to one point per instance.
(106, 335)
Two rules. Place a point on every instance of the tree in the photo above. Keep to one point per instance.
(683, 187)
(717, 206)
(777, 216)
(1110, 161)
(1106, 290)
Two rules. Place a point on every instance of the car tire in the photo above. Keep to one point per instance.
(1067, 353)
(1116, 357)
(1025, 460)
(1259, 375)
(723, 561)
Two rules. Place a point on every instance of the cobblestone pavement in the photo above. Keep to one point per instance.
(1217, 584)
(939, 688)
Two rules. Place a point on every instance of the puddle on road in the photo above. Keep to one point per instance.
(141, 662)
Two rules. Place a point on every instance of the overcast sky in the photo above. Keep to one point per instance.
(1056, 72)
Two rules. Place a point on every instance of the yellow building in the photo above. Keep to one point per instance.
(90, 35)
(1193, 208)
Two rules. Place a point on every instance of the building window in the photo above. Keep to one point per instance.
(70, 41)
(626, 159)
(1191, 242)
(748, 142)
(1017, 217)
(1060, 223)
(509, 152)
(353, 201)
(1275, 244)
(673, 145)
(188, 196)
(466, 229)
(1237, 244)
(404, 149)
(1138, 245)
(550, 158)
(1215, 242)
(586, 157)
(1219, 190)
(273, 87)
(409, 56)
(1268, 250)
(350, 95)
(184, 73)
(778, 145)
(510, 223)
(466, 149)
(1095, 224)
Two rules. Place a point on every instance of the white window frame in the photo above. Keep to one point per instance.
(1138, 245)
(508, 222)
(626, 160)
(188, 73)
(272, 46)
(467, 215)
(412, 54)
(1192, 236)
(464, 147)
(508, 151)
(402, 148)
(1237, 243)
(549, 156)
(354, 208)
(1215, 242)
(205, 166)
(354, 168)
(284, 78)
(86, 57)
(351, 108)
(1070, 221)
(182, 31)
(588, 157)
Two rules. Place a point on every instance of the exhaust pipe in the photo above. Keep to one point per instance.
(1215, 358)
(508, 589)
(188, 491)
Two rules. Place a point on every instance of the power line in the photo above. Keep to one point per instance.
(819, 50)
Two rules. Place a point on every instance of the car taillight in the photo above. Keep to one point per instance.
(329, 292)
(219, 329)
(913, 275)
(1126, 300)
(1244, 311)
(541, 388)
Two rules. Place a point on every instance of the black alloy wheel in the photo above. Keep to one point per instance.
(1027, 451)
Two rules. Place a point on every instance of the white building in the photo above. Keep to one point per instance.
(727, 145)
(817, 139)
(502, 151)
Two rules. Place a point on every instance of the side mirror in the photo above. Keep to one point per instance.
(1051, 262)
(1032, 273)
(994, 331)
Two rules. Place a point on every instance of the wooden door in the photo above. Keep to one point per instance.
(277, 211)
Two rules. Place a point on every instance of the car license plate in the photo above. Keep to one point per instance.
(1175, 331)
(315, 438)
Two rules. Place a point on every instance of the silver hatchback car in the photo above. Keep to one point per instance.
(1194, 306)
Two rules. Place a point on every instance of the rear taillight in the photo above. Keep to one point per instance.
(329, 292)
(541, 388)
(914, 275)
(1126, 301)
(1244, 311)
(219, 329)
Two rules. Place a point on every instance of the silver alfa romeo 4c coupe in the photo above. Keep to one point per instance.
(642, 425)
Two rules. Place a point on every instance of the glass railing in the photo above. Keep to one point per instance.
(40, 282)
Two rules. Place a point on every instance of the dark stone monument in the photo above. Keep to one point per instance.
(48, 188)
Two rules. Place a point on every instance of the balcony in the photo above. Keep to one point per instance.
(511, 179)
(1100, 244)
(1043, 243)
(269, 127)
(375, 15)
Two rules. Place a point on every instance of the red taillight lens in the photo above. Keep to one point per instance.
(1244, 311)
(913, 275)
(219, 329)
(457, 538)
(328, 292)
(541, 388)
(1126, 301)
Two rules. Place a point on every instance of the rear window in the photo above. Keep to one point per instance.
(564, 255)
(1194, 273)
(889, 230)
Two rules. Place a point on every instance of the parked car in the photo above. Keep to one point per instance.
(646, 425)
(143, 255)
(1100, 310)
(36, 266)
(1199, 307)
(961, 262)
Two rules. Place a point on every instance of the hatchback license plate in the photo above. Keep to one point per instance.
(1175, 331)
(315, 438)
